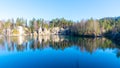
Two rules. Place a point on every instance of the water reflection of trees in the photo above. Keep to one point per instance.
(84, 44)
(22, 43)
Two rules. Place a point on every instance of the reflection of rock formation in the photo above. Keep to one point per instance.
(20, 40)
(2, 47)
(43, 38)
(55, 38)
(9, 44)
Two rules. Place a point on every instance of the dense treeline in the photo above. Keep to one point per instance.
(63, 23)
(90, 27)
(112, 27)
(109, 27)
(86, 28)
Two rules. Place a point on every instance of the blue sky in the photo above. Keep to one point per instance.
(49, 9)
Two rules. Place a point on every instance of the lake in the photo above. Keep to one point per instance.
(58, 52)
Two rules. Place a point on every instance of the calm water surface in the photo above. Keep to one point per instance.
(58, 52)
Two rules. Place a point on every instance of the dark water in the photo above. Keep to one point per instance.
(58, 52)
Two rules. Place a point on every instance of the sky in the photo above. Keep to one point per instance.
(50, 9)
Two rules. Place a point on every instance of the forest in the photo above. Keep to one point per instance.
(108, 26)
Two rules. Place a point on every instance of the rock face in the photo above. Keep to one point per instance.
(43, 31)
(35, 33)
(8, 32)
(55, 30)
(64, 31)
(20, 29)
(60, 31)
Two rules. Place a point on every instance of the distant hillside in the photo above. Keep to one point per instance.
(111, 18)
